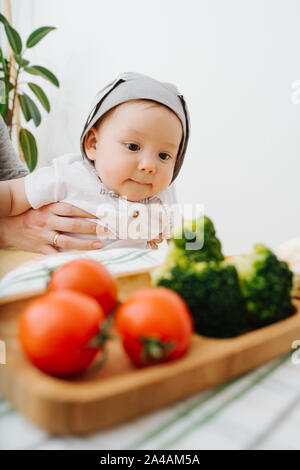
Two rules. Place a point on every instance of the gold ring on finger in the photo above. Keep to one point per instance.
(54, 241)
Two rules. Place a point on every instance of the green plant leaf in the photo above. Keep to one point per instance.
(2, 110)
(3, 19)
(37, 35)
(29, 147)
(4, 104)
(24, 108)
(2, 97)
(8, 117)
(13, 36)
(43, 72)
(10, 85)
(4, 62)
(21, 62)
(40, 94)
(33, 110)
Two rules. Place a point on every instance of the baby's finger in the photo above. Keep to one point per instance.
(158, 240)
(153, 245)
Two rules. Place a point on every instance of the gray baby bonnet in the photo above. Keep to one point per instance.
(131, 85)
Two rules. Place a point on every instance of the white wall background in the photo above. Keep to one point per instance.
(235, 61)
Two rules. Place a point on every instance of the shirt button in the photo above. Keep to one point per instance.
(135, 214)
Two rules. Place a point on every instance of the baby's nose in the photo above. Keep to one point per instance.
(147, 169)
(147, 165)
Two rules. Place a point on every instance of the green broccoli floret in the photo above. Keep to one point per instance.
(198, 238)
(266, 285)
(210, 289)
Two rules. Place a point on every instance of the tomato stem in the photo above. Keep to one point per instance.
(98, 363)
(155, 349)
(103, 335)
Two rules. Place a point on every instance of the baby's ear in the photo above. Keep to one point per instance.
(90, 143)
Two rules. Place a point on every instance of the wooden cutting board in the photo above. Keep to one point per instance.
(120, 392)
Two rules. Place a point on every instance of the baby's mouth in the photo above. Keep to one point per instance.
(138, 182)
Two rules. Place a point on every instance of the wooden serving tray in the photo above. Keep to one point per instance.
(119, 392)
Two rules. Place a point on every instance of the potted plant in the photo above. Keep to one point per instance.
(10, 91)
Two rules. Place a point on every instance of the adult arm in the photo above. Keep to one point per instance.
(10, 164)
(13, 197)
(34, 230)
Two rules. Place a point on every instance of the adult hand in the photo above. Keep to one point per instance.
(35, 229)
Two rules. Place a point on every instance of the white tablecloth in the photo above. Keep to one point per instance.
(259, 410)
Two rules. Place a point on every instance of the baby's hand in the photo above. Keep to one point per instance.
(153, 243)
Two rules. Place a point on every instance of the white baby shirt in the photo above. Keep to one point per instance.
(73, 179)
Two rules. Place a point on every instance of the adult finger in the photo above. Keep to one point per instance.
(72, 243)
(67, 224)
(48, 250)
(66, 209)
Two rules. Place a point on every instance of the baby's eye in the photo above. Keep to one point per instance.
(168, 156)
(134, 145)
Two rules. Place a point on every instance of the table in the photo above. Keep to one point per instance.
(258, 410)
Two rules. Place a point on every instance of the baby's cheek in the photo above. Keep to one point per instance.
(36, 217)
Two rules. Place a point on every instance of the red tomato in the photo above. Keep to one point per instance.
(54, 330)
(155, 325)
(89, 277)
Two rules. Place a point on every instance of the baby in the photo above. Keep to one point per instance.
(132, 148)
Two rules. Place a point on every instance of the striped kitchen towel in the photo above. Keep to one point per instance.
(34, 276)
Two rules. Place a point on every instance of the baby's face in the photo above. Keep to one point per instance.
(135, 149)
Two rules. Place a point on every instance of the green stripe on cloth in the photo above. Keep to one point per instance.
(180, 415)
(186, 411)
(236, 396)
(6, 412)
(122, 258)
(275, 424)
(42, 272)
(138, 255)
(5, 407)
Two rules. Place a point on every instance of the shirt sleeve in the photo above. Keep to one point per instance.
(41, 187)
(10, 164)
